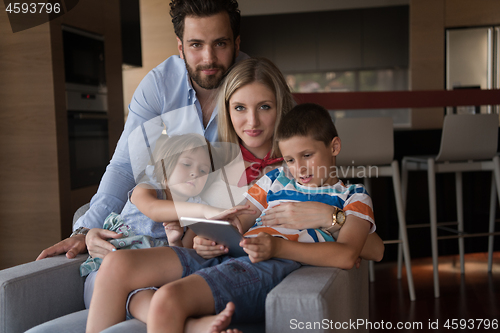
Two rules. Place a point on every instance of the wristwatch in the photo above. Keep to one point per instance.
(338, 220)
(80, 231)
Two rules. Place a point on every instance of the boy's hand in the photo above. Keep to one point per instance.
(207, 248)
(174, 232)
(260, 248)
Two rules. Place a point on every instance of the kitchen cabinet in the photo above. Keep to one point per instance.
(357, 39)
(385, 37)
(295, 42)
(339, 40)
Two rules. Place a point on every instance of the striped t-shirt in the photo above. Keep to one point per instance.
(279, 186)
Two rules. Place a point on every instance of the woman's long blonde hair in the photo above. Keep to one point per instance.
(245, 72)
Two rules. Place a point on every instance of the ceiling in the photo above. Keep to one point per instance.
(265, 7)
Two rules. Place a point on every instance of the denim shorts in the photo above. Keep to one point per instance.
(237, 280)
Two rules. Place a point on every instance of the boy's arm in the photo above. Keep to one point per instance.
(343, 253)
(373, 249)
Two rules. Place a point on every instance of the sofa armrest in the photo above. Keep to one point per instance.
(318, 297)
(39, 291)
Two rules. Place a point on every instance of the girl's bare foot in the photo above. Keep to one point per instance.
(213, 324)
(223, 319)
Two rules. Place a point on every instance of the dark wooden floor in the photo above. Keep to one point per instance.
(470, 297)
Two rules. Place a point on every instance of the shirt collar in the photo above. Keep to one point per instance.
(191, 91)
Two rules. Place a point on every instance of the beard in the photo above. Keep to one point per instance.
(207, 81)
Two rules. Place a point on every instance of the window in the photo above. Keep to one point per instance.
(358, 80)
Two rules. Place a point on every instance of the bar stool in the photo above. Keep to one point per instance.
(468, 143)
(368, 145)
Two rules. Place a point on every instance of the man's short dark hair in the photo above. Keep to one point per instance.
(179, 9)
(307, 119)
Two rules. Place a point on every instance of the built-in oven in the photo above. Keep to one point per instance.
(88, 147)
(87, 106)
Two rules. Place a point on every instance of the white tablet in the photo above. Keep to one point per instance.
(221, 232)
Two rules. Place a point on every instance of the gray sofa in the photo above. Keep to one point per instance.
(41, 291)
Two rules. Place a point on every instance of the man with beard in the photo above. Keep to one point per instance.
(180, 92)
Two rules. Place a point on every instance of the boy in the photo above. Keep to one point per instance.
(308, 141)
(196, 287)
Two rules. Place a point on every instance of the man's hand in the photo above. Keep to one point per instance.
(260, 248)
(96, 242)
(208, 249)
(71, 246)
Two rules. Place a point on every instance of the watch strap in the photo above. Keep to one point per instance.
(335, 224)
(80, 231)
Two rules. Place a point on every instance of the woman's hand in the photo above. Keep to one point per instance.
(299, 215)
(260, 248)
(96, 242)
(174, 233)
(208, 249)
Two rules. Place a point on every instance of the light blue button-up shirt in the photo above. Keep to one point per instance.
(165, 96)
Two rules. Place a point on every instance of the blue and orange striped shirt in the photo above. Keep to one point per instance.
(279, 186)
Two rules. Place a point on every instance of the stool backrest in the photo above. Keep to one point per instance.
(365, 141)
(469, 137)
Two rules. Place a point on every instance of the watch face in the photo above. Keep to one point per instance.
(340, 217)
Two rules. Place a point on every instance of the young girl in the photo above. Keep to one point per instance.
(176, 177)
(180, 173)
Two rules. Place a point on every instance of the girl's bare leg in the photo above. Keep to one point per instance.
(139, 304)
(175, 302)
(124, 271)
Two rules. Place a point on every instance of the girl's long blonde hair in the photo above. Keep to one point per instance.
(245, 72)
(169, 149)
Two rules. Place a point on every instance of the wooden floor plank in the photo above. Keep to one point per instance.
(470, 297)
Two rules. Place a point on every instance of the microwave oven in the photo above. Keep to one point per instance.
(83, 57)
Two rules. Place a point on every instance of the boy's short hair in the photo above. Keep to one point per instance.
(307, 119)
(179, 9)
